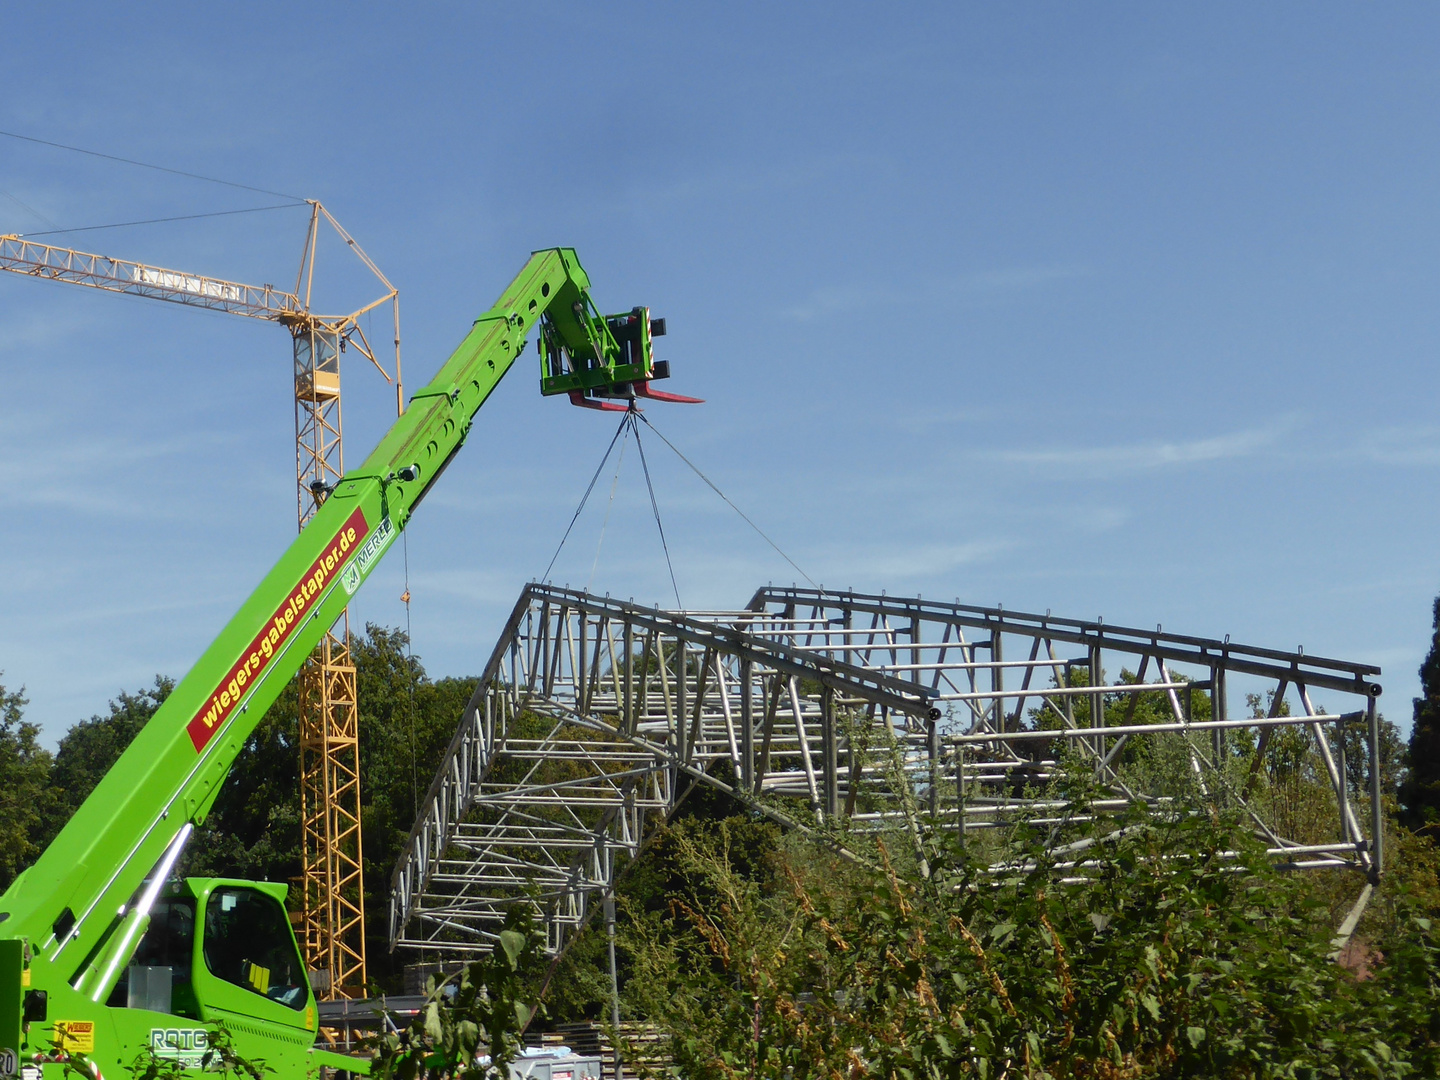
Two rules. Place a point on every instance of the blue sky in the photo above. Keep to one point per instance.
(1120, 310)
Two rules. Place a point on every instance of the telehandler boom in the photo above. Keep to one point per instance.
(103, 957)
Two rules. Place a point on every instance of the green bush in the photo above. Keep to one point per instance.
(1174, 950)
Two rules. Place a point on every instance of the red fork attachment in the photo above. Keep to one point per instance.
(643, 389)
(640, 390)
(577, 397)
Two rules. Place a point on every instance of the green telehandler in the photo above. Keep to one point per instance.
(106, 958)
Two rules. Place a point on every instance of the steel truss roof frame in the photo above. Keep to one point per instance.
(594, 715)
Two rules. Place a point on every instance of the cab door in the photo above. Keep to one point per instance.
(248, 974)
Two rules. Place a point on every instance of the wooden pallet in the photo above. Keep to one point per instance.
(644, 1049)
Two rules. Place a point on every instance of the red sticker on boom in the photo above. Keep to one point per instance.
(270, 640)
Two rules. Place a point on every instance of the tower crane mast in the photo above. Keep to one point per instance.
(333, 909)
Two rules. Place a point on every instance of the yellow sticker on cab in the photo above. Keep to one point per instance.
(75, 1036)
(260, 978)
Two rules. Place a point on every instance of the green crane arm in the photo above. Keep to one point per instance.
(77, 906)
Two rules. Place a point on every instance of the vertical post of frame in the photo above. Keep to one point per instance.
(682, 685)
(1377, 814)
(580, 674)
(628, 709)
(830, 753)
(997, 675)
(1097, 701)
(960, 786)
(932, 748)
(747, 728)
(1342, 791)
(1217, 710)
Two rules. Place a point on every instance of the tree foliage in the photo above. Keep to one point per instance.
(253, 830)
(471, 1023)
(1421, 795)
(26, 800)
(1181, 954)
(90, 747)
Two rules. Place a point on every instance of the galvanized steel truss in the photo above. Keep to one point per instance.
(843, 712)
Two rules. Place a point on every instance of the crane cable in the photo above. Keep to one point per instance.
(711, 485)
(410, 672)
(151, 221)
(627, 424)
(147, 165)
(631, 420)
(584, 498)
(614, 483)
(27, 208)
(653, 504)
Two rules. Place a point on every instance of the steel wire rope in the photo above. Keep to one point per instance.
(27, 208)
(619, 461)
(161, 220)
(147, 165)
(655, 507)
(584, 498)
(410, 671)
(711, 485)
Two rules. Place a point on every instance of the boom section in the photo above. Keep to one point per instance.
(77, 904)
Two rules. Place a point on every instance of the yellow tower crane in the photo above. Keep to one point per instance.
(333, 888)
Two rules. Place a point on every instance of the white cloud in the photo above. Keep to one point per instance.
(1418, 445)
(40, 326)
(981, 285)
(1409, 446)
(471, 586)
(726, 182)
(1149, 456)
(92, 473)
(907, 561)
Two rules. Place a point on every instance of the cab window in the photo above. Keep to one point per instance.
(166, 944)
(248, 943)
